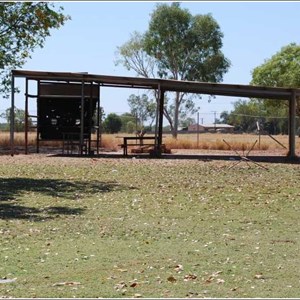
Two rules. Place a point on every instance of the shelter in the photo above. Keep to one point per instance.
(161, 86)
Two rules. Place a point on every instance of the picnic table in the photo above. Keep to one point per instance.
(139, 141)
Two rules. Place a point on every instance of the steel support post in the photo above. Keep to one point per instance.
(98, 118)
(82, 119)
(38, 126)
(26, 116)
(292, 126)
(160, 120)
(12, 116)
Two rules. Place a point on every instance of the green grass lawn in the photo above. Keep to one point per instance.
(82, 227)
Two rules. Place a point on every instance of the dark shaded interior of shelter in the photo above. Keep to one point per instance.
(59, 110)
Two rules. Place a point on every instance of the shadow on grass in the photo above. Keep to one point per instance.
(12, 188)
(11, 211)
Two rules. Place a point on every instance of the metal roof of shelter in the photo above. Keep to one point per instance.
(220, 89)
(167, 85)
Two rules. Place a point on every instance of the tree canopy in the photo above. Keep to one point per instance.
(281, 70)
(112, 123)
(246, 114)
(19, 119)
(186, 47)
(23, 27)
(180, 46)
(142, 107)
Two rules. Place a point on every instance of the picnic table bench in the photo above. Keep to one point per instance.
(140, 139)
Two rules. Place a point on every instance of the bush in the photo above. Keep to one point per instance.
(112, 123)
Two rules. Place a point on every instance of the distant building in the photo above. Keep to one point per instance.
(211, 128)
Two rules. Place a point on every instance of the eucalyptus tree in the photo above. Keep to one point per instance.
(180, 46)
(23, 27)
(143, 108)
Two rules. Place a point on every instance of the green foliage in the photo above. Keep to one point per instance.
(180, 46)
(112, 123)
(130, 127)
(246, 114)
(224, 118)
(19, 124)
(187, 47)
(187, 122)
(281, 70)
(142, 107)
(133, 56)
(129, 123)
(24, 26)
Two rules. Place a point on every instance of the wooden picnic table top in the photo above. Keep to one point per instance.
(139, 137)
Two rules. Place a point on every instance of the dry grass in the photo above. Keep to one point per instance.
(215, 141)
(206, 141)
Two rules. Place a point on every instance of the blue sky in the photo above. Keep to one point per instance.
(253, 32)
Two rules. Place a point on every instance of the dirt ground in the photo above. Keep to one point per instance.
(48, 155)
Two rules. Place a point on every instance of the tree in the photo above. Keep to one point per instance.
(112, 123)
(23, 27)
(180, 46)
(247, 113)
(224, 117)
(19, 124)
(130, 127)
(143, 108)
(128, 122)
(281, 70)
(133, 56)
(187, 122)
(244, 115)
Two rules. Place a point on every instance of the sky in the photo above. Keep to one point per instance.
(253, 32)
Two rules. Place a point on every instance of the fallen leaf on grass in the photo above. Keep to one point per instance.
(67, 283)
(122, 270)
(171, 279)
(220, 281)
(138, 296)
(7, 280)
(178, 268)
(209, 279)
(212, 276)
(191, 294)
(259, 276)
(133, 283)
(120, 286)
(190, 277)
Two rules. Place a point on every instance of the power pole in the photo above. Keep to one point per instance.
(215, 117)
